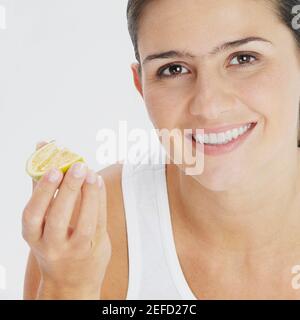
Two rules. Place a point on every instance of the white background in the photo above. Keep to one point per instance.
(64, 75)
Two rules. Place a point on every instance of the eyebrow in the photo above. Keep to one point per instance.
(216, 50)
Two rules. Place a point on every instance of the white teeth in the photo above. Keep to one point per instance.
(228, 136)
(222, 137)
(212, 138)
(235, 133)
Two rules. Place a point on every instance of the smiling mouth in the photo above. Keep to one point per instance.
(225, 137)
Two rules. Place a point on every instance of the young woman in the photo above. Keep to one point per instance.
(231, 232)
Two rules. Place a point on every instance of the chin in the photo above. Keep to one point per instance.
(220, 180)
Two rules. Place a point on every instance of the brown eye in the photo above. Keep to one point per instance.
(173, 70)
(242, 59)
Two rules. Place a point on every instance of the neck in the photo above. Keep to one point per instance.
(255, 216)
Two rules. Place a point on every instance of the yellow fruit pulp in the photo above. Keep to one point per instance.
(50, 156)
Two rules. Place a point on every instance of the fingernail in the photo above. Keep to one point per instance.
(78, 169)
(100, 181)
(53, 175)
(91, 177)
(40, 143)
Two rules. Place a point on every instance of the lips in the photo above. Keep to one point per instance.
(218, 149)
(223, 128)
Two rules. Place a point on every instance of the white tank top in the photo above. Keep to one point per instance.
(154, 267)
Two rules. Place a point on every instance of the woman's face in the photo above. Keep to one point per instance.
(258, 81)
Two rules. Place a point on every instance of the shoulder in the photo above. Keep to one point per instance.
(116, 278)
(112, 176)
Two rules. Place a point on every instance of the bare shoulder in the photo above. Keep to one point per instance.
(116, 278)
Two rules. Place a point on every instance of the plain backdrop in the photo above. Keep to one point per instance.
(64, 75)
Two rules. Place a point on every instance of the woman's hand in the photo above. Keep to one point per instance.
(67, 233)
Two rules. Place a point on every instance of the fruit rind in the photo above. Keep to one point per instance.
(36, 175)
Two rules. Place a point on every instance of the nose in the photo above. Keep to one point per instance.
(211, 97)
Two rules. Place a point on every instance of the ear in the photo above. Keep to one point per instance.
(137, 77)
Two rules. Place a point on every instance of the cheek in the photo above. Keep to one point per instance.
(272, 95)
(165, 105)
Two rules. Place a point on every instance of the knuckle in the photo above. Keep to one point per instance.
(54, 225)
(71, 185)
(81, 250)
(81, 244)
(93, 191)
(26, 216)
(83, 235)
(44, 188)
(29, 218)
(91, 187)
(28, 233)
(25, 234)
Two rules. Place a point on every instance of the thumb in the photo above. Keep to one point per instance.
(38, 146)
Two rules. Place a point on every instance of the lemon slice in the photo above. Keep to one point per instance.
(50, 156)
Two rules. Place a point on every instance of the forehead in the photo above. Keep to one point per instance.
(166, 24)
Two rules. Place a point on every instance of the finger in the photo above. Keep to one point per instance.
(76, 210)
(87, 221)
(36, 208)
(38, 146)
(102, 214)
(60, 214)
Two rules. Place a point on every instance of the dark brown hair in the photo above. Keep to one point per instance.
(282, 8)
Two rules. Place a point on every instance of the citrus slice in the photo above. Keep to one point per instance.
(50, 156)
